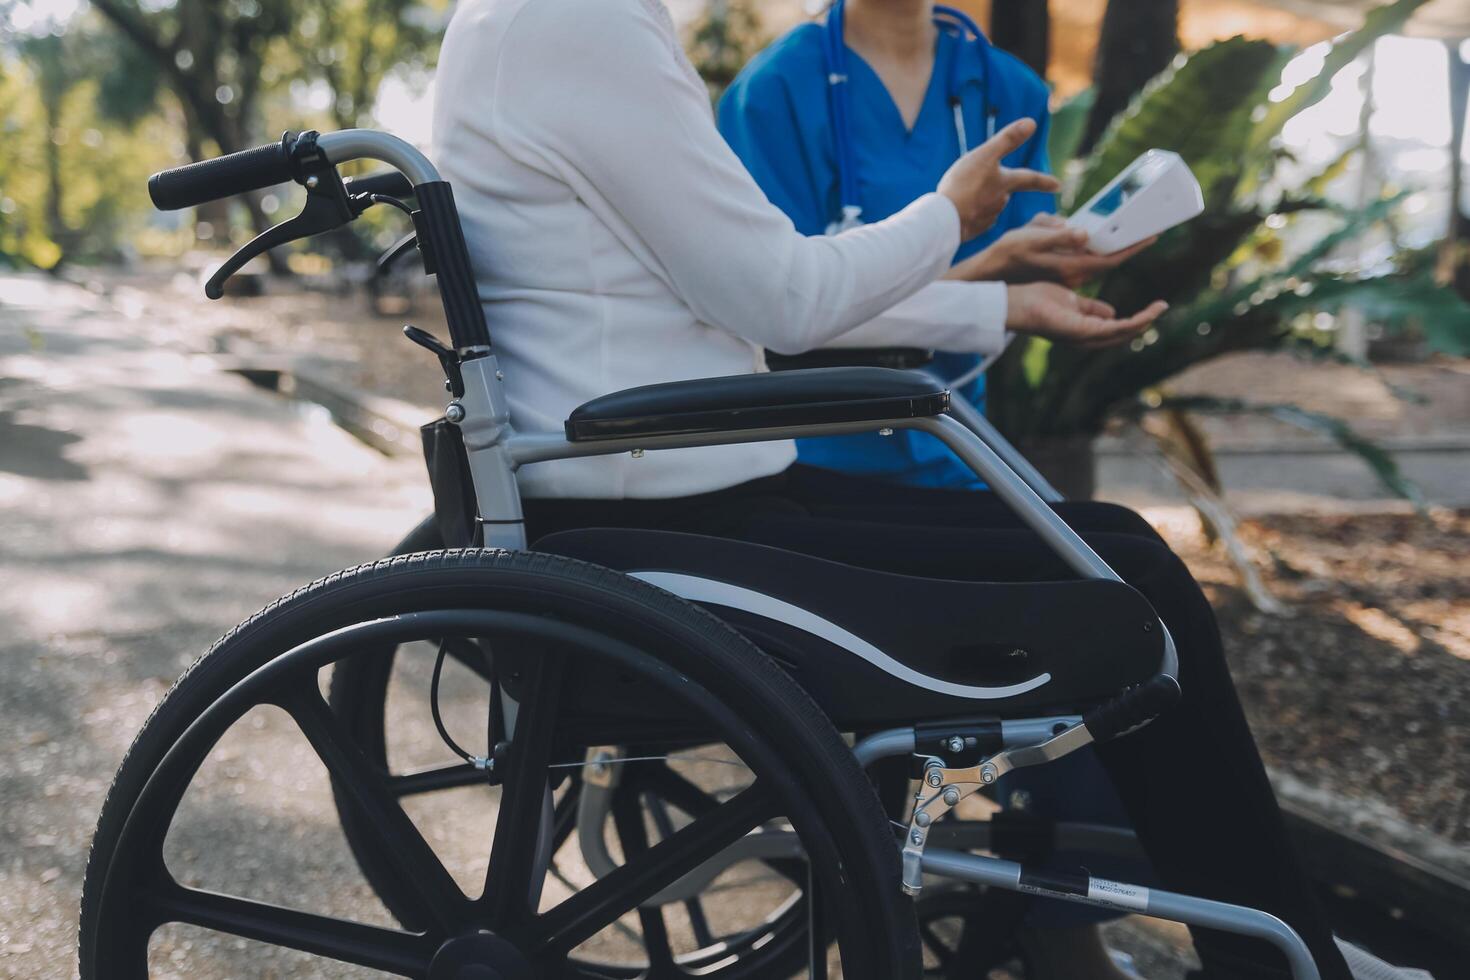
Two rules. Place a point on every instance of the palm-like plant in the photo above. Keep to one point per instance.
(1232, 281)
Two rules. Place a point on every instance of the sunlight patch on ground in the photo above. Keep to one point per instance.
(1381, 626)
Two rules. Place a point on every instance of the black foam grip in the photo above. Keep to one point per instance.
(1132, 708)
(210, 180)
(441, 239)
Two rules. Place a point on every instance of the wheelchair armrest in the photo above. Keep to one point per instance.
(759, 401)
(901, 358)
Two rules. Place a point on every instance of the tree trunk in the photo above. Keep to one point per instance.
(196, 83)
(1023, 27)
(55, 224)
(1457, 238)
(1069, 463)
(1139, 39)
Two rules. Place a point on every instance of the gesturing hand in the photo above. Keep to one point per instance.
(1055, 312)
(1046, 249)
(980, 187)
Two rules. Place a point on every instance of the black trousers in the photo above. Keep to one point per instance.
(1192, 782)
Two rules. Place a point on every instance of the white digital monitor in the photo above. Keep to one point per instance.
(1152, 194)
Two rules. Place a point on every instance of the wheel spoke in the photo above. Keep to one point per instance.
(403, 953)
(676, 789)
(936, 945)
(433, 780)
(564, 816)
(600, 904)
(693, 907)
(816, 928)
(439, 899)
(518, 824)
(633, 837)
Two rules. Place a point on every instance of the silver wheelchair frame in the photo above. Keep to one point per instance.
(495, 451)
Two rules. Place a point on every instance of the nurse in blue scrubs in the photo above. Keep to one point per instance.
(906, 120)
(848, 120)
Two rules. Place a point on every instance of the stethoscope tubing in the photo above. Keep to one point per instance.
(834, 50)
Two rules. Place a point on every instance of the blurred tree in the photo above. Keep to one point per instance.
(1139, 39)
(73, 155)
(724, 37)
(211, 56)
(352, 45)
(1023, 27)
(23, 220)
(48, 61)
(221, 59)
(1456, 251)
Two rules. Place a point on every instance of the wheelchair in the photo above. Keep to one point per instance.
(622, 668)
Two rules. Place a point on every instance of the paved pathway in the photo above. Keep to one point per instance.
(147, 503)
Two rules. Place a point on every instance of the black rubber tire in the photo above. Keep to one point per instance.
(877, 921)
(358, 693)
(988, 921)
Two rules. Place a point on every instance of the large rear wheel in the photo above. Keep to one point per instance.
(591, 658)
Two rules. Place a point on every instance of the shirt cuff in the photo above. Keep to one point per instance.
(992, 304)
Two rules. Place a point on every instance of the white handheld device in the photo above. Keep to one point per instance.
(1152, 194)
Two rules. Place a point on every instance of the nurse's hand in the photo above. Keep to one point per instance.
(1048, 310)
(981, 188)
(1044, 250)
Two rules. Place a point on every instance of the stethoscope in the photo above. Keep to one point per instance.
(839, 98)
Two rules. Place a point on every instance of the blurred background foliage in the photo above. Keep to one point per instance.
(95, 96)
(1272, 263)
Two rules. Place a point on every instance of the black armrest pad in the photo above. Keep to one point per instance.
(759, 401)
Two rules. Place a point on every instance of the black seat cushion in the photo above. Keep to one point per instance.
(759, 401)
(874, 647)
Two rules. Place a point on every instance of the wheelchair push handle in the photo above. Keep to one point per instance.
(1132, 709)
(234, 173)
(311, 159)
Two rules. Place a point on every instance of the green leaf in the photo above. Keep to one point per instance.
(1318, 185)
(1405, 304)
(1357, 223)
(1382, 20)
(1378, 459)
(1034, 360)
(1200, 108)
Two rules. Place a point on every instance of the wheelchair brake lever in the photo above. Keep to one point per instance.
(327, 207)
(942, 788)
(397, 251)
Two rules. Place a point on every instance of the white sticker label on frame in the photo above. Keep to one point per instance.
(1118, 894)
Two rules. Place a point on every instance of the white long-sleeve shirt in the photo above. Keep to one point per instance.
(617, 240)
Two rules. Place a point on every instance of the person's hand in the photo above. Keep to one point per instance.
(1046, 249)
(1045, 309)
(981, 188)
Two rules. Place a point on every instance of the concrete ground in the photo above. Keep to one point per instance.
(147, 503)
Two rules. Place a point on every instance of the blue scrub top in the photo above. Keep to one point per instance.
(775, 116)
